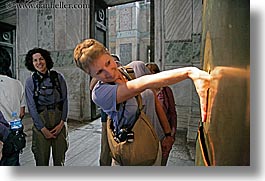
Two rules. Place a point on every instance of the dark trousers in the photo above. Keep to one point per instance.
(42, 147)
(12, 160)
(105, 154)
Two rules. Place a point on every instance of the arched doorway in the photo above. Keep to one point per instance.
(7, 47)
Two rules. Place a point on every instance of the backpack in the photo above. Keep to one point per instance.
(137, 145)
(38, 79)
(4, 128)
(15, 140)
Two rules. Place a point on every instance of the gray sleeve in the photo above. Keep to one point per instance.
(4, 131)
(29, 92)
(64, 96)
(104, 95)
(22, 97)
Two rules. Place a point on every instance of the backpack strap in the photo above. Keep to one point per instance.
(3, 120)
(128, 72)
(55, 81)
(37, 80)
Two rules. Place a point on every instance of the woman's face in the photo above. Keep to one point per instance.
(104, 68)
(39, 63)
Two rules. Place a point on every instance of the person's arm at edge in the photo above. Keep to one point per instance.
(201, 80)
(161, 115)
(168, 140)
(164, 78)
(172, 110)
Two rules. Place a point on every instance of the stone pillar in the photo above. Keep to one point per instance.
(225, 137)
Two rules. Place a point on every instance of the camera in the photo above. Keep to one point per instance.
(125, 135)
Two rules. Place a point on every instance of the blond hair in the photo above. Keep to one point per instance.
(87, 51)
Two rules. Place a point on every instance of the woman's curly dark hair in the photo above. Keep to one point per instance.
(44, 53)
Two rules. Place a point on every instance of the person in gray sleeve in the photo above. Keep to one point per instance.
(12, 99)
(4, 131)
(47, 101)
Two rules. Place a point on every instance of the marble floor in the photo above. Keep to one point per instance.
(84, 146)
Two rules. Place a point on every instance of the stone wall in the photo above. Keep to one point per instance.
(178, 44)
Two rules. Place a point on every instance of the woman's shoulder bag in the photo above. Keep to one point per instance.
(141, 143)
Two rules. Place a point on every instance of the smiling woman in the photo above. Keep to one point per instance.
(39, 63)
(46, 96)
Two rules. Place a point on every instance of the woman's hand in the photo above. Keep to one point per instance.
(47, 133)
(57, 129)
(201, 80)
